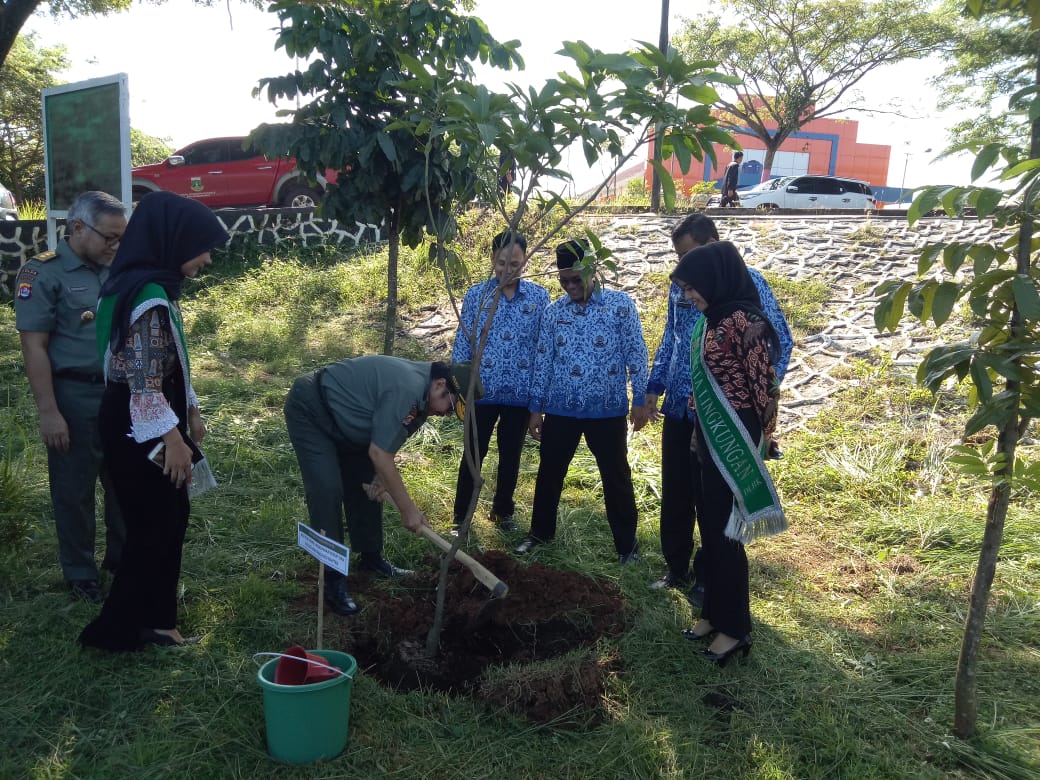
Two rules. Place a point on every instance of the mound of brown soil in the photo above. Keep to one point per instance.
(547, 614)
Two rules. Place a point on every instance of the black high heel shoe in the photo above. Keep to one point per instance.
(693, 636)
(721, 659)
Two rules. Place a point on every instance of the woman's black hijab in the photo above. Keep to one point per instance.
(164, 232)
(718, 273)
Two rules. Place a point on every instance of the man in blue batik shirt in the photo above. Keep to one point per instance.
(670, 374)
(505, 369)
(590, 345)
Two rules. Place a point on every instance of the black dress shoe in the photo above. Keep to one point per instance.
(693, 636)
(338, 598)
(526, 545)
(632, 556)
(149, 636)
(381, 567)
(506, 523)
(88, 590)
(743, 647)
(670, 580)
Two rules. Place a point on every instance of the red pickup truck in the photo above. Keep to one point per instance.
(221, 173)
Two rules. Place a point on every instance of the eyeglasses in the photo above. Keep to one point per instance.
(571, 281)
(109, 240)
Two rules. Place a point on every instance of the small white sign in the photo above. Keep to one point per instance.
(332, 554)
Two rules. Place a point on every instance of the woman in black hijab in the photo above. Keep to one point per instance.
(149, 418)
(734, 393)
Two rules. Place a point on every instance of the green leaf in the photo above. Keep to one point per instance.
(892, 300)
(946, 295)
(927, 258)
(1022, 167)
(981, 379)
(1026, 298)
(386, 144)
(986, 201)
(984, 159)
(700, 94)
(925, 202)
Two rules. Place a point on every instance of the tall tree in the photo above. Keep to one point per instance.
(655, 179)
(360, 102)
(28, 70)
(991, 57)
(799, 60)
(1000, 283)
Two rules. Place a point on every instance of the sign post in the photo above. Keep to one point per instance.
(328, 553)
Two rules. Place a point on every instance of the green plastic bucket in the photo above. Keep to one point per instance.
(308, 722)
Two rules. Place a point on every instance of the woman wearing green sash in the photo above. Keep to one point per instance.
(735, 391)
(149, 417)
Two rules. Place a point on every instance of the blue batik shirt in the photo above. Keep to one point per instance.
(508, 356)
(586, 355)
(670, 373)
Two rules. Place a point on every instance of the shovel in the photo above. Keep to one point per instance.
(498, 588)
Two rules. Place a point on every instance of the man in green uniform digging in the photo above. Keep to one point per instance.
(345, 423)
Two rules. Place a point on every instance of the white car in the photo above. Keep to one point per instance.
(8, 208)
(809, 192)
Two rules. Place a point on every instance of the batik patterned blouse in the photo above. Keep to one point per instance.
(736, 352)
(149, 355)
(670, 372)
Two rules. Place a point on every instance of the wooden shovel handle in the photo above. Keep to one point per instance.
(497, 587)
(493, 583)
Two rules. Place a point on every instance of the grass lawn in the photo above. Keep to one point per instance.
(858, 608)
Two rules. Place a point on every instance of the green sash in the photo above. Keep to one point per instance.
(756, 507)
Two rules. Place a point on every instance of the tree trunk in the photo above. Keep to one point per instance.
(965, 704)
(13, 16)
(394, 250)
(655, 180)
(767, 164)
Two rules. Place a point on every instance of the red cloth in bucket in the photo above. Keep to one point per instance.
(295, 668)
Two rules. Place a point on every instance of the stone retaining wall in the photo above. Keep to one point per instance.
(270, 227)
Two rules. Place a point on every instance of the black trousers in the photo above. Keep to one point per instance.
(727, 600)
(679, 498)
(607, 440)
(512, 428)
(155, 511)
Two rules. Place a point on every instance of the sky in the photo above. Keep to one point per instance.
(191, 70)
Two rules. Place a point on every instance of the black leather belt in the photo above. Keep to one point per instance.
(80, 376)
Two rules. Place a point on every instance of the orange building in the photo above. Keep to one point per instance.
(826, 147)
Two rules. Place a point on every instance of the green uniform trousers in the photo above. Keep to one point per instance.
(333, 471)
(73, 481)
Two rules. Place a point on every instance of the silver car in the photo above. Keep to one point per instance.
(8, 208)
(810, 192)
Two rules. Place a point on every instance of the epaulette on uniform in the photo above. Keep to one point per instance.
(43, 257)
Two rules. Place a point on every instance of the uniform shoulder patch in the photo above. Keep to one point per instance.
(43, 257)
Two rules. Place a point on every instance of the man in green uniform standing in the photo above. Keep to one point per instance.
(56, 296)
(345, 423)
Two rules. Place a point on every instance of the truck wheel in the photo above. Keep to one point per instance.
(137, 193)
(300, 196)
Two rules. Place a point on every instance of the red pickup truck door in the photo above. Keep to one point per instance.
(248, 178)
(200, 177)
